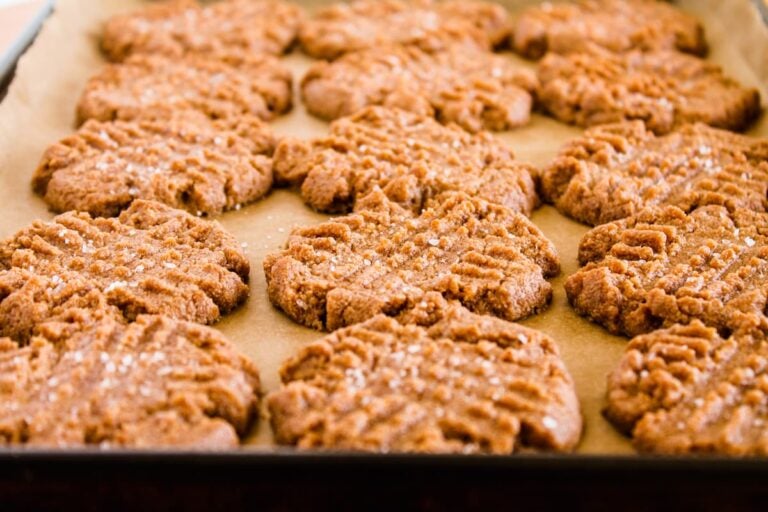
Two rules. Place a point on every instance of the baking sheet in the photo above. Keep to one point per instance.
(39, 109)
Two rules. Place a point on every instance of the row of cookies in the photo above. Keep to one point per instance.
(604, 61)
(421, 283)
(674, 260)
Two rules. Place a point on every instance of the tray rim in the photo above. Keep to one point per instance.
(14, 52)
(287, 458)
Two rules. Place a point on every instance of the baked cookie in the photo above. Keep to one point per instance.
(614, 171)
(155, 382)
(664, 266)
(614, 25)
(144, 84)
(361, 24)
(411, 157)
(464, 383)
(182, 27)
(186, 161)
(152, 259)
(381, 260)
(687, 390)
(665, 89)
(472, 88)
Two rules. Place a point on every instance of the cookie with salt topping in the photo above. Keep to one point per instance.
(665, 266)
(153, 383)
(688, 390)
(614, 25)
(440, 380)
(412, 158)
(345, 27)
(614, 171)
(183, 27)
(381, 259)
(472, 88)
(151, 259)
(664, 89)
(182, 159)
(142, 85)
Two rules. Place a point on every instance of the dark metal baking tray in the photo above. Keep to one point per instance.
(285, 479)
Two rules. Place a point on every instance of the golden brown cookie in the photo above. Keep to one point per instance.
(664, 266)
(614, 171)
(346, 27)
(182, 27)
(412, 158)
(615, 25)
(155, 382)
(688, 390)
(145, 84)
(460, 383)
(186, 161)
(473, 88)
(381, 260)
(665, 89)
(151, 259)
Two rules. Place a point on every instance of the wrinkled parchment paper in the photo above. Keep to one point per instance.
(39, 109)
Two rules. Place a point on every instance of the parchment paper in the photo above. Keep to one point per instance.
(39, 109)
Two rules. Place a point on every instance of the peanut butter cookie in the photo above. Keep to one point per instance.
(614, 171)
(460, 383)
(346, 27)
(155, 382)
(382, 260)
(615, 25)
(473, 88)
(665, 266)
(688, 390)
(665, 89)
(151, 259)
(181, 27)
(144, 84)
(412, 158)
(186, 161)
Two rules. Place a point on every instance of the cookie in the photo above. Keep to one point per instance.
(472, 88)
(381, 260)
(664, 266)
(151, 259)
(411, 157)
(466, 384)
(614, 25)
(143, 84)
(614, 171)
(184, 27)
(346, 27)
(688, 390)
(665, 89)
(153, 383)
(185, 161)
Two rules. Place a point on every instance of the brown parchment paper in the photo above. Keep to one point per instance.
(39, 109)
